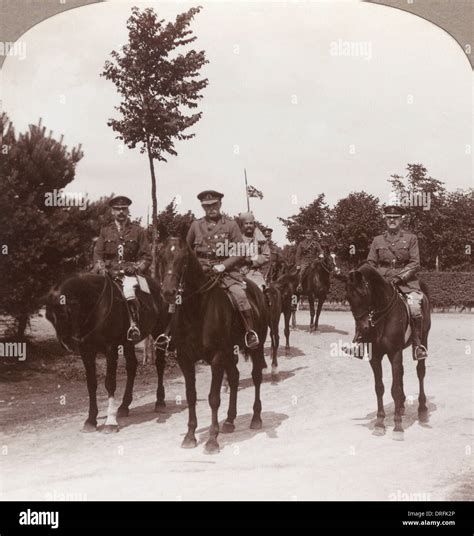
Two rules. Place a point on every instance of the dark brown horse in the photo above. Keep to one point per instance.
(316, 283)
(286, 284)
(274, 302)
(206, 326)
(89, 312)
(381, 323)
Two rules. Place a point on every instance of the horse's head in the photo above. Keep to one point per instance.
(62, 311)
(173, 260)
(360, 300)
(328, 260)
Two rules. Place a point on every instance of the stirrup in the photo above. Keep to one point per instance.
(299, 288)
(255, 344)
(423, 349)
(133, 333)
(162, 341)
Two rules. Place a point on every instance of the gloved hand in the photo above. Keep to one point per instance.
(396, 280)
(298, 268)
(129, 269)
(218, 268)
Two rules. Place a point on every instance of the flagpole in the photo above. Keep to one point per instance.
(247, 190)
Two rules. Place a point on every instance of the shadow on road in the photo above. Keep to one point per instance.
(243, 432)
(146, 413)
(322, 328)
(408, 419)
(283, 376)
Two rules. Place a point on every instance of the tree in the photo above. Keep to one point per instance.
(424, 199)
(314, 216)
(157, 85)
(355, 221)
(36, 252)
(170, 223)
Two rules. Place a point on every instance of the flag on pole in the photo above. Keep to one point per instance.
(253, 192)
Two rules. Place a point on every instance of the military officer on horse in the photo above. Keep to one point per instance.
(277, 261)
(216, 240)
(396, 256)
(307, 251)
(258, 250)
(123, 251)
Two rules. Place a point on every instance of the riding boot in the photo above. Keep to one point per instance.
(419, 351)
(251, 337)
(133, 333)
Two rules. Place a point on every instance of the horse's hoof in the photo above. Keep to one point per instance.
(398, 434)
(423, 415)
(211, 446)
(189, 443)
(256, 424)
(159, 405)
(89, 427)
(379, 431)
(227, 428)
(110, 428)
(287, 350)
(123, 412)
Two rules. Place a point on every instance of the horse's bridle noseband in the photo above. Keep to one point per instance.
(376, 316)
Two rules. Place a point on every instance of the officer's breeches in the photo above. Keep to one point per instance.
(129, 286)
(235, 284)
(256, 277)
(414, 300)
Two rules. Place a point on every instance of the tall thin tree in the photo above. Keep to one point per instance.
(158, 84)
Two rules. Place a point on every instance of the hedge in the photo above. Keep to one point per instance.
(446, 289)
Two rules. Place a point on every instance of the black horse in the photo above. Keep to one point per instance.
(382, 322)
(89, 311)
(206, 326)
(316, 283)
(274, 302)
(286, 284)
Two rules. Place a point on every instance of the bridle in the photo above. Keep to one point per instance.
(163, 340)
(376, 316)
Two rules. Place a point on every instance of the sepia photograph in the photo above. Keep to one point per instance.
(236, 259)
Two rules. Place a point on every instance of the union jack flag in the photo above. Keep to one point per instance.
(253, 192)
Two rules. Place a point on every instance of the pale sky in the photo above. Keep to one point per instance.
(295, 110)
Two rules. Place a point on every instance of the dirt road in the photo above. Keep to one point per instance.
(316, 442)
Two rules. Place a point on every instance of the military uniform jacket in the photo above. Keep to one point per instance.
(261, 247)
(116, 248)
(215, 243)
(397, 255)
(307, 251)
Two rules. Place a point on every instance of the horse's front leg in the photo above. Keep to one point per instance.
(287, 314)
(257, 364)
(217, 369)
(422, 408)
(160, 370)
(189, 373)
(397, 390)
(131, 368)
(88, 358)
(321, 301)
(233, 378)
(311, 312)
(111, 424)
(376, 364)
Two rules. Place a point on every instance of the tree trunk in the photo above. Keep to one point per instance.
(22, 322)
(149, 351)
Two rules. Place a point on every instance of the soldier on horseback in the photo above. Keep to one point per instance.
(396, 256)
(123, 251)
(306, 252)
(277, 261)
(259, 250)
(215, 238)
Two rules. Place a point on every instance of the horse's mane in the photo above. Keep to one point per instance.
(373, 277)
